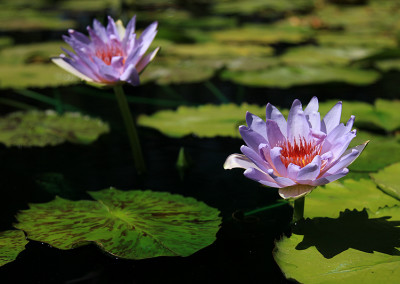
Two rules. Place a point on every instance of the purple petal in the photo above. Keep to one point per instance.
(274, 114)
(146, 60)
(97, 42)
(330, 178)
(112, 28)
(79, 37)
(274, 134)
(347, 158)
(100, 30)
(252, 138)
(312, 106)
(131, 76)
(256, 124)
(314, 120)
(129, 32)
(340, 145)
(298, 126)
(277, 162)
(262, 164)
(260, 177)
(350, 123)
(332, 118)
(293, 171)
(310, 171)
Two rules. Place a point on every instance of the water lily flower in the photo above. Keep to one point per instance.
(298, 154)
(111, 54)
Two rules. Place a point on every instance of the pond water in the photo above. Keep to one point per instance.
(212, 53)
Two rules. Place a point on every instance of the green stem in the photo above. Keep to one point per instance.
(279, 203)
(298, 211)
(130, 129)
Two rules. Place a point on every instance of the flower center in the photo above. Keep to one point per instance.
(299, 152)
(108, 52)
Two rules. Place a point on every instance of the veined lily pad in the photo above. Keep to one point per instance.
(358, 247)
(288, 76)
(129, 224)
(334, 197)
(41, 128)
(388, 180)
(11, 244)
(203, 121)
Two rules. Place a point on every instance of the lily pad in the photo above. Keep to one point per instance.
(343, 38)
(320, 55)
(12, 242)
(129, 224)
(358, 247)
(388, 180)
(288, 76)
(41, 128)
(263, 34)
(35, 75)
(203, 121)
(335, 197)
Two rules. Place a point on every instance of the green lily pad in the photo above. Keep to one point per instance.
(129, 224)
(203, 121)
(388, 180)
(12, 242)
(34, 76)
(343, 38)
(334, 197)
(320, 55)
(262, 7)
(41, 128)
(263, 34)
(358, 247)
(31, 53)
(288, 76)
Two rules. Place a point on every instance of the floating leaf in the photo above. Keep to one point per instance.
(343, 38)
(203, 121)
(36, 128)
(263, 34)
(12, 242)
(358, 247)
(334, 197)
(129, 224)
(388, 180)
(320, 55)
(288, 76)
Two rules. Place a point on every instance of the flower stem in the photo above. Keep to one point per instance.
(298, 210)
(130, 129)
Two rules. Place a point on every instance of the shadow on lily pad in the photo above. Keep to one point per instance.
(353, 229)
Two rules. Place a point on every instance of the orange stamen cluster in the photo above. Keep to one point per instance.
(108, 52)
(299, 152)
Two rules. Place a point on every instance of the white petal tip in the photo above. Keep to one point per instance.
(295, 191)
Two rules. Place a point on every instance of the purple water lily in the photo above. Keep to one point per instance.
(297, 155)
(111, 55)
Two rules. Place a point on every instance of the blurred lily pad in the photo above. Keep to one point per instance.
(202, 121)
(129, 224)
(357, 247)
(263, 34)
(334, 197)
(42, 128)
(388, 180)
(288, 76)
(320, 55)
(343, 38)
(12, 242)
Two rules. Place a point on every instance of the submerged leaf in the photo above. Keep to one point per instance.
(128, 224)
(12, 242)
(388, 180)
(358, 247)
(41, 128)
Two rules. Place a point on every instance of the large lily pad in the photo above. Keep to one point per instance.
(288, 76)
(358, 247)
(128, 224)
(388, 180)
(41, 128)
(11, 244)
(329, 200)
(345, 39)
(203, 121)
